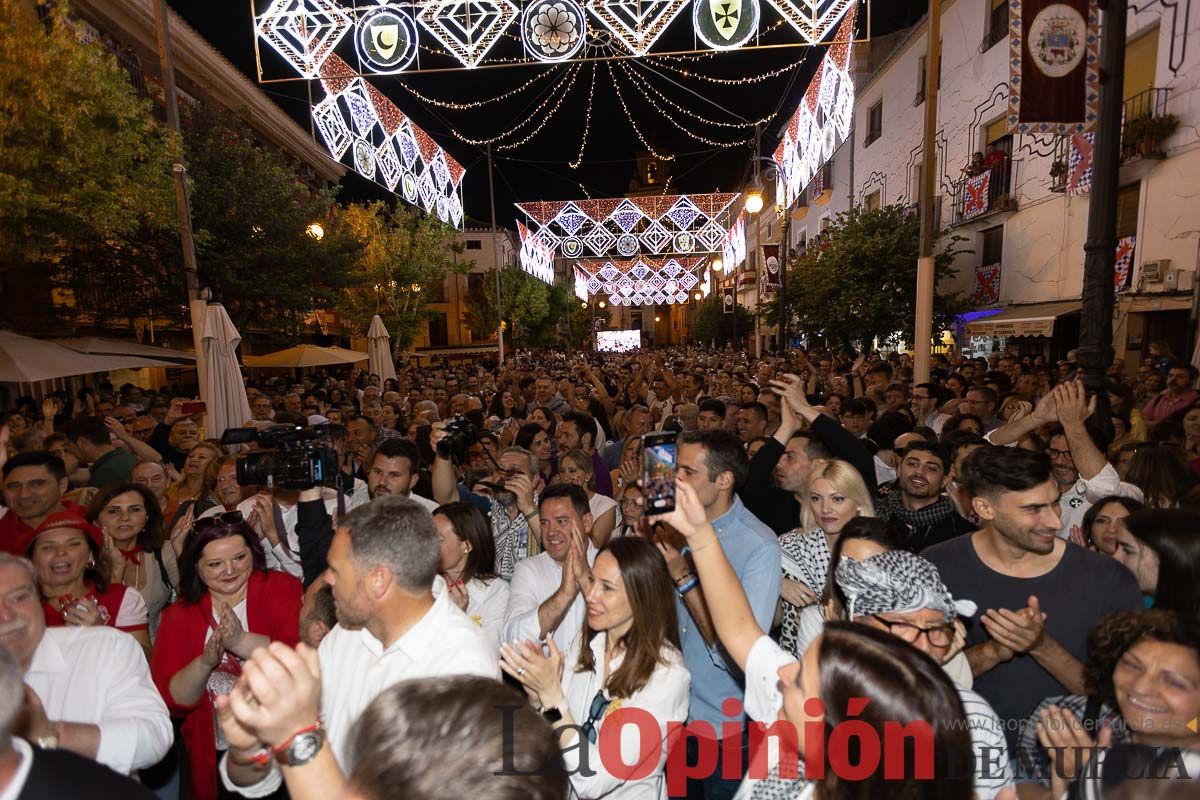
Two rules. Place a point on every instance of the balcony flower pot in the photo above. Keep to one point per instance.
(1058, 169)
(1145, 135)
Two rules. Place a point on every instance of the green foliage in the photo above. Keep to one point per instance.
(712, 324)
(403, 253)
(527, 303)
(858, 281)
(82, 159)
(251, 213)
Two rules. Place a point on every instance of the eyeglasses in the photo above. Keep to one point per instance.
(1055, 455)
(220, 520)
(595, 714)
(941, 636)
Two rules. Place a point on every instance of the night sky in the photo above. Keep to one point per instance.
(539, 169)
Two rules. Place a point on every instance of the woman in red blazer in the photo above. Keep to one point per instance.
(229, 605)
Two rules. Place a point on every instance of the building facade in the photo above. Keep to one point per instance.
(1034, 220)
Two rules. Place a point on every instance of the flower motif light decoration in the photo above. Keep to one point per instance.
(639, 281)
(362, 127)
(822, 120)
(388, 34)
(626, 227)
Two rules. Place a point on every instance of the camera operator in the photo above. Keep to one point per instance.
(507, 496)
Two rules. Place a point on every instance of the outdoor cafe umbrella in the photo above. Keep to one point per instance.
(24, 359)
(379, 348)
(306, 355)
(222, 380)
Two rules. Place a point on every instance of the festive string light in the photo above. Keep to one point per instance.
(545, 120)
(587, 122)
(632, 124)
(433, 101)
(631, 68)
(698, 137)
(737, 81)
(567, 76)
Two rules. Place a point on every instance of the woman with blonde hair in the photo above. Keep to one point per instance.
(836, 494)
(193, 484)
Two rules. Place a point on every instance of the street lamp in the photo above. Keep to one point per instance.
(316, 231)
(754, 202)
(602, 304)
(416, 287)
(657, 318)
(698, 295)
(583, 304)
(717, 265)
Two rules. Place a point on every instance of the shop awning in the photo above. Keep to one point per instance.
(1035, 319)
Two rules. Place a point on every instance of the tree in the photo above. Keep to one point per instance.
(252, 215)
(81, 156)
(858, 280)
(526, 306)
(712, 324)
(404, 251)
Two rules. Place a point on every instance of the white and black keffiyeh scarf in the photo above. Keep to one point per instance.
(896, 582)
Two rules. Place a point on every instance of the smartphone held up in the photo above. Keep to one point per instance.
(658, 472)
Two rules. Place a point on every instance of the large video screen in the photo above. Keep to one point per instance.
(618, 341)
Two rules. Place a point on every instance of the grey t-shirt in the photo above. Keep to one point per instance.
(1074, 596)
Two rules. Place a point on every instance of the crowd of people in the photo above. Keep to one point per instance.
(478, 603)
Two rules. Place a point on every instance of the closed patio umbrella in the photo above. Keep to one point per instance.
(226, 391)
(379, 348)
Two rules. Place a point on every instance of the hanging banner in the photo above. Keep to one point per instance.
(987, 284)
(770, 260)
(1123, 263)
(1079, 163)
(728, 299)
(1054, 66)
(975, 194)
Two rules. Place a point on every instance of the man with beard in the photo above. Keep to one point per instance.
(1080, 469)
(1038, 595)
(1179, 394)
(396, 621)
(394, 472)
(921, 514)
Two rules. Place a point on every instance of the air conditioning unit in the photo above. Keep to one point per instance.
(1154, 271)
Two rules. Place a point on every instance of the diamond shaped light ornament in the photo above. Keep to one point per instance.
(332, 125)
(637, 24)
(467, 28)
(304, 32)
(812, 19)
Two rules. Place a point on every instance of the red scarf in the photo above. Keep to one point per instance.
(132, 556)
(109, 603)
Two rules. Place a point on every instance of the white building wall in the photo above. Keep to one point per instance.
(1043, 240)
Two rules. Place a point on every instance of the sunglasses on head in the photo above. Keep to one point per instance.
(220, 520)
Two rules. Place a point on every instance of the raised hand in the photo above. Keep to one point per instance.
(284, 692)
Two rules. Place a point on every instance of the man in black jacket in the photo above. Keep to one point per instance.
(921, 513)
(778, 477)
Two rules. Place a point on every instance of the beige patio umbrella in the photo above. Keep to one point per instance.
(24, 359)
(117, 347)
(379, 348)
(225, 389)
(306, 355)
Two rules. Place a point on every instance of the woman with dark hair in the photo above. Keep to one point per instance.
(847, 662)
(1142, 684)
(545, 419)
(534, 438)
(1162, 473)
(229, 605)
(135, 545)
(468, 563)
(74, 578)
(504, 406)
(1162, 550)
(963, 422)
(957, 386)
(1102, 523)
(628, 656)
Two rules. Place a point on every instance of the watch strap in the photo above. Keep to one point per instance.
(282, 751)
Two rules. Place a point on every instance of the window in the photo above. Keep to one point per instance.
(437, 291)
(1141, 59)
(438, 334)
(474, 244)
(874, 123)
(871, 202)
(997, 25)
(826, 221)
(993, 246)
(474, 281)
(915, 193)
(1127, 209)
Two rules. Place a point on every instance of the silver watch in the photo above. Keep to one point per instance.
(302, 749)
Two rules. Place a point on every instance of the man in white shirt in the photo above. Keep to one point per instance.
(394, 471)
(546, 594)
(90, 688)
(383, 567)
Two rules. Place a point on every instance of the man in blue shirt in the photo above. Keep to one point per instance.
(715, 465)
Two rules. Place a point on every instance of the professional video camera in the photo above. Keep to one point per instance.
(461, 433)
(290, 456)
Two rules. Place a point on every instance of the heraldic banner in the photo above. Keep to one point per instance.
(1054, 66)
(728, 299)
(770, 260)
(987, 284)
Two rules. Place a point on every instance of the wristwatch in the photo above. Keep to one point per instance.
(50, 740)
(552, 715)
(302, 747)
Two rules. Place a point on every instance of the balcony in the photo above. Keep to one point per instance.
(984, 200)
(1146, 125)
